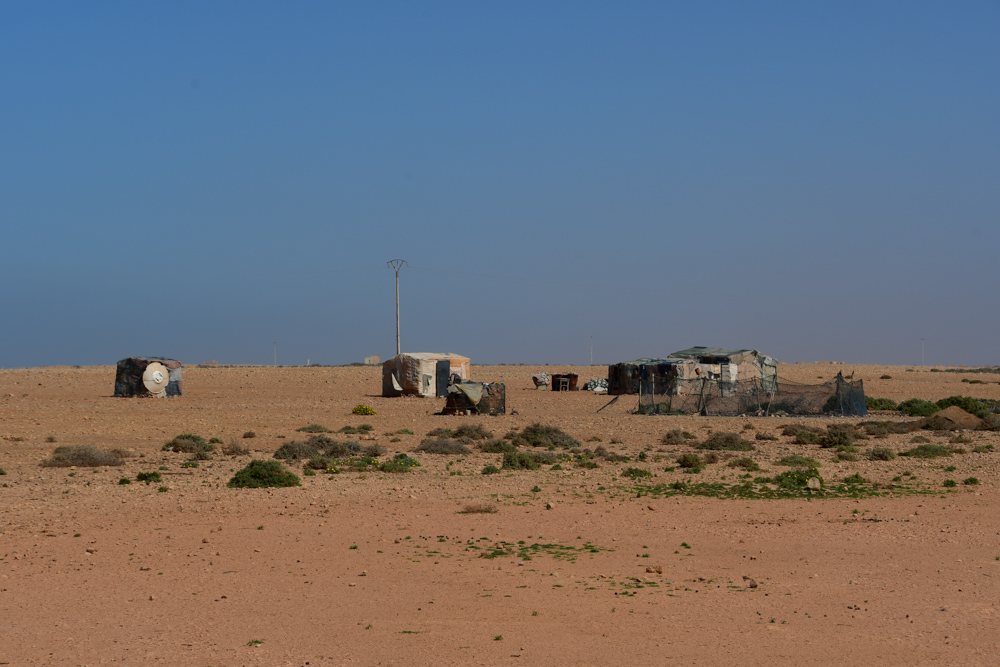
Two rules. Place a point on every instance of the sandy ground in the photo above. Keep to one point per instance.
(375, 568)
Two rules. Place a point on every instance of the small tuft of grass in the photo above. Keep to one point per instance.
(315, 428)
(249, 434)
(148, 477)
(479, 508)
(84, 456)
(636, 473)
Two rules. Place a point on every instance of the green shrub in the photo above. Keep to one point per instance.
(676, 437)
(796, 479)
(315, 428)
(636, 473)
(875, 404)
(148, 477)
(760, 435)
(885, 377)
(881, 429)
(836, 437)
(441, 446)
(960, 439)
(949, 483)
(982, 449)
(806, 438)
(491, 470)
(362, 409)
(918, 407)
(967, 403)
(215, 441)
(880, 454)
(404, 431)
(353, 430)
(497, 446)
(747, 464)
(730, 442)
(917, 439)
(440, 432)
(856, 478)
(793, 460)
(124, 480)
(690, 461)
(970, 481)
(84, 456)
(541, 435)
(399, 463)
(520, 461)
(927, 451)
(188, 443)
(263, 474)
(319, 463)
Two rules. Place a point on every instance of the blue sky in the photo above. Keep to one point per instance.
(198, 180)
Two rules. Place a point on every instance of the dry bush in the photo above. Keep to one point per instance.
(730, 442)
(249, 434)
(497, 446)
(84, 456)
(188, 443)
(543, 435)
(296, 450)
(676, 437)
(441, 446)
(233, 448)
(764, 436)
(472, 432)
(315, 428)
(440, 433)
(479, 508)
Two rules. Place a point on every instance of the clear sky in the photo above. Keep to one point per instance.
(818, 180)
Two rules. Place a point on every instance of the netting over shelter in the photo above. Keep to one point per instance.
(664, 390)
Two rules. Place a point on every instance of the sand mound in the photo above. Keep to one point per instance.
(952, 418)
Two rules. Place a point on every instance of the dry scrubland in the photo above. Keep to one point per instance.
(583, 564)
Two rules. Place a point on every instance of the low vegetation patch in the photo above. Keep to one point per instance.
(745, 463)
(918, 407)
(543, 435)
(399, 463)
(730, 442)
(188, 443)
(148, 477)
(355, 430)
(636, 473)
(362, 409)
(233, 448)
(497, 446)
(927, 452)
(84, 456)
(880, 454)
(690, 462)
(491, 470)
(249, 434)
(315, 428)
(479, 508)
(263, 474)
(472, 432)
(441, 446)
(676, 437)
(761, 435)
(877, 404)
(797, 460)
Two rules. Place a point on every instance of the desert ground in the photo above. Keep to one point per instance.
(373, 568)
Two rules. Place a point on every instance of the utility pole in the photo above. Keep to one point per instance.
(396, 265)
(275, 354)
(922, 352)
(591, 350)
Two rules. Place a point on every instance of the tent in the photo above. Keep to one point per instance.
(422, 373)
(148, 376)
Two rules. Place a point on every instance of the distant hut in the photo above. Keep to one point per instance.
(148, 376)
(475, 398)
(422, 373)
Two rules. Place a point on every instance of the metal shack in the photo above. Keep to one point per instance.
(148, 376)
(422, 373)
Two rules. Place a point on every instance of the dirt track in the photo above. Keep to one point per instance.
(93, 572)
